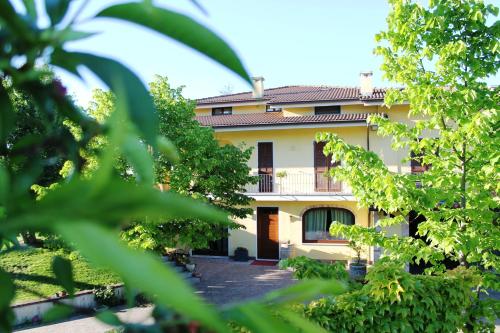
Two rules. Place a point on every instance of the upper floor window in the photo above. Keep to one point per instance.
(222, 111)
(270, 108)
(330, 109)
(316, 224)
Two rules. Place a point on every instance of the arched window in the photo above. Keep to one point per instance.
(316, 224)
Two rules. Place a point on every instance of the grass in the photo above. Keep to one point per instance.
(31, 269)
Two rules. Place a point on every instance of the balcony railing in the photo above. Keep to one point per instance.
(297, 184)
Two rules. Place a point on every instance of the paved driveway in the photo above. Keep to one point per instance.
(223, 281)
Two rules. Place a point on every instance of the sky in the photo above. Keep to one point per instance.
(288, 42)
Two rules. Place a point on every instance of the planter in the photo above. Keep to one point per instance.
(357, 271)
(241, 254)
(190, 267)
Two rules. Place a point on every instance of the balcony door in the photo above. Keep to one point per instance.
(265, 165)
(322, 166)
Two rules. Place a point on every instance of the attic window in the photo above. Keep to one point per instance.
(222, 111)
(270, 108)
(330, 109)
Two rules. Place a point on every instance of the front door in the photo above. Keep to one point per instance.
(267, 233)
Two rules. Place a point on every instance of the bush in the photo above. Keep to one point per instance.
(106, 296)
(396, 301)
(306, 268)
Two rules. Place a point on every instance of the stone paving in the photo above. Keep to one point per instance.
(223, 281)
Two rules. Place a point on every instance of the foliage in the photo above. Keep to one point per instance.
(106, 296)
(307, 268)
(442, 54)
(396, 301)
(31, 270)
(357, 248)
(206, 169)
(87, 210)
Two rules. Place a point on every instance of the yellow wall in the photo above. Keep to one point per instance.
(294, 112)
(293, 148)
(290, 229)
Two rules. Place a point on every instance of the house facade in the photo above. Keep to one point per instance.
(295, 202)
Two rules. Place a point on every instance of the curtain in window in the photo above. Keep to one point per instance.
(340, 216)
(315, 224)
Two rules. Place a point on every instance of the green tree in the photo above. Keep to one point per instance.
(442, 54)
(87, 210)
(205, 170)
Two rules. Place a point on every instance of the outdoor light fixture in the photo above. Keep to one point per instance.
(374, 127)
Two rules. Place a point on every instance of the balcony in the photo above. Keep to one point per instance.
(297, 184)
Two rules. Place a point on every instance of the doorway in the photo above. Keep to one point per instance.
(267, 233)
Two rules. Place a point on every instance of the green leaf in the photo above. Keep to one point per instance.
(109, 318)
(64, 60)
(63, 271)
(69, 34)
(181, 28)
(7, 289)
(30, 8)
(57, 312)
(7, 115)
(258, 318)
(56, 9)
(14, 21)
(140, 270)
(4, 186)
(140, 160)
(128, 89)
(166, 147)
(300, 322)
(305, 290)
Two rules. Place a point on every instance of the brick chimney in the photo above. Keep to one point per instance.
(365, 83)
(258, 87)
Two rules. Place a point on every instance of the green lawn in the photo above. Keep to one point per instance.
(32, 270)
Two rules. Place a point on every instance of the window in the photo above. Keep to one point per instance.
(331, 109)
(322, 165)
(222, 111)
(270, 108)
(265, 165)
(316, 224)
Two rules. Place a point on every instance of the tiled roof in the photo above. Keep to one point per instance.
(297, 94)
(276, 118)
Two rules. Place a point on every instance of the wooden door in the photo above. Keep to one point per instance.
(265, 165)
(322, 166)
(267, 233)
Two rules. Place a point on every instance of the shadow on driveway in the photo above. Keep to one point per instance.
(224, 281)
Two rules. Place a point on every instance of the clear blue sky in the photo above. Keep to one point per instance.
(286, 41)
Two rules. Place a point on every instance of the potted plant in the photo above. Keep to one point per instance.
(190, 266)
(241, 254)
(281, 174)
(357, 267)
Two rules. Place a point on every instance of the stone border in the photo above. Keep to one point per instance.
(32, 312)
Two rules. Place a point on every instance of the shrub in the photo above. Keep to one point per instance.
(306, 268)
(106, 296)
(396, 301)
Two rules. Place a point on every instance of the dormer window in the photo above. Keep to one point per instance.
(271, 108)
(330, 109)
(222, 111)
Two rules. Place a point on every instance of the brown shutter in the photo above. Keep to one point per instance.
(265, 165)
(322, 166)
